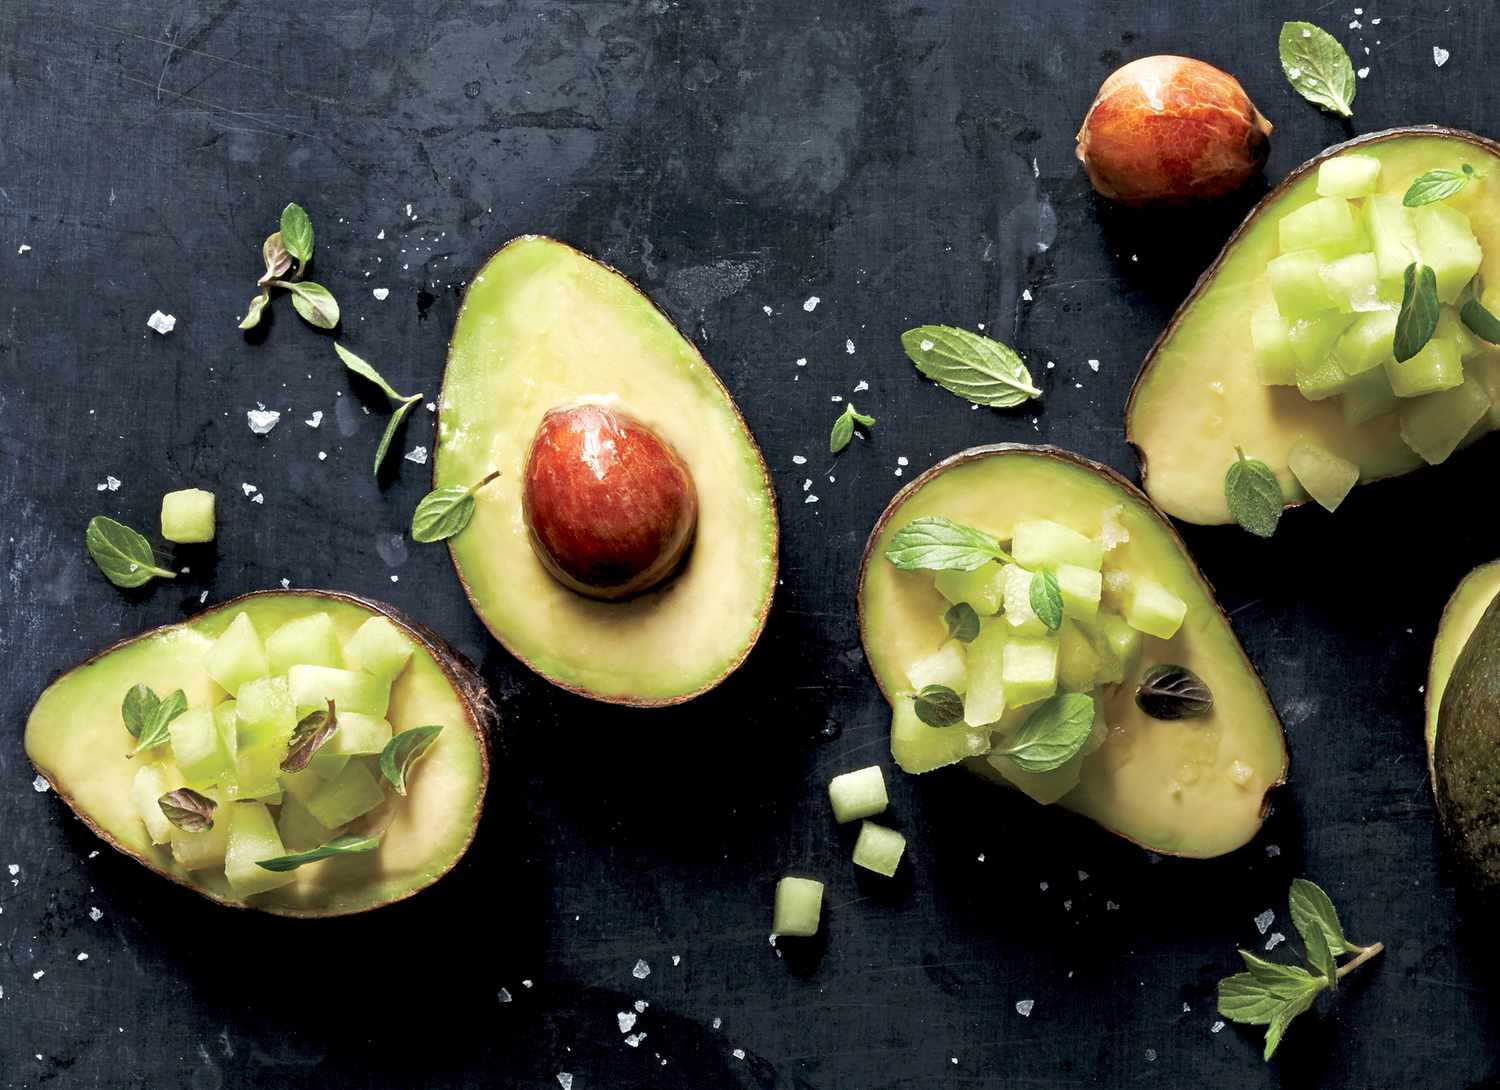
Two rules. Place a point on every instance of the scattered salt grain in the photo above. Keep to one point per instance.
(811, 304)
(635, 1039)
(641, 970)
(1363, 72)
(1273, 850)
(849, 347)
(861, 386)
(395, 579)
(925, 345)
(1150, 1055)
(258, 498)
(23, 249)
(565, 1080)
(717, 1022)
(262, 420)
(1083, 876)
(676, 959)
(504, 995)
(1068, 905)
(418, 455)
(409, 213)
(811, 499)
(1093, 365)
(798, 460)
(286, 584)
(641, 1005)
(322, 456)
(40, 785)
(1276, 939)
(1263, 921)
(528, 983)
(1111, 906)
(164, 323)
(96, 914)
(203, 598)
(83, 957)
(739, 1053)
(315, 419)
(39, 974)
(109, 484)
(381, 293)
(902, 461)
(1024, 1006)
(1186, 1008)
(1216, 1027)
(1439, 56)
(806, 483)
(626, 1019)
(767, 310)
(1026, 294)
(14, 868)
(1044, 887)
(250, 489)
(430, 407)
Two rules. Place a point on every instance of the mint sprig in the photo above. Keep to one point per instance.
(934, 543)
(843, 427)
(1253, 495)
(403, 403)
(290, 246)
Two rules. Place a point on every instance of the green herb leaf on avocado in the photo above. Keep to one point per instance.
(314, 302)
(255, 310)
(1052, 734)
(277, 260)
(934, 543)
(124, 556)
(138, 708)
(310, 734)
(1253, 494)
(1436, 185)
(939, 706)
(1477, 317)
(1046, 599)
(188, 810)
(445, 512)
(962, 622)
(976, 368)
(1317, 67)
(402, 751)
(1169, 691)
(391, 427)
(154, 730)
(1417, 319)
(339, 845)
(1312, 910)
(843, 427)
(297, 233)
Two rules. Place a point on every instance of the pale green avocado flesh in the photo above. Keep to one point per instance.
(1199, 396)
(1166, 785)
(1460, 616)
(76, 738)
(543, 325)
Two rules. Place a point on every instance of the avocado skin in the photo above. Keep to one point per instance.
(1467, 758)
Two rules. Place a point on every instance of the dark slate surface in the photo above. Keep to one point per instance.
(904, 162)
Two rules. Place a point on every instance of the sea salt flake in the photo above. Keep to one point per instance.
(1273, 850)
(801, 361)
(262, 420)
(811, 499)
(38, 976)
(1276, 939)
(14, 868)
(861, 386)
(565, 1080)
(1026, 294)
(767, 310)
(1094, 365)
(635, 1039)
(1083, 876)
(504, 995)
(641, 970)
(1263, 921)
(1111, 906)
(1024, 1007)
(641, 1005)
(23, 249)
(286, 584)
(1186, 1008)
(811, 304)
(925, 345)
(258, 498)
(676, 959)
(409, 213)
(849, 347)
(418, 455)
(40, 785)
(806, 483)
(315, 419)
(1068, 905)
(626, 1019)
(798, 460)
(738, 1054)
(1216, 1027)
(203, 598)
(381, 293)
(83, 957)
(96, 914)
(1439, 56)
(1363, 72)
(1150, 1055)
(322, 456)
(165, 323)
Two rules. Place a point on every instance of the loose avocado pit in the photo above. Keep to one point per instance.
(610, 505)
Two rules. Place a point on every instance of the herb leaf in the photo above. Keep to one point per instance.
(402, 751)
(339, 845)
(1312, 910)
(138, 708)
(1317, 67)
(939, 706)
(843, 427)
(1319, 956)
(1046, 599)
(255, 310)
(1417, 319)
(314, 302)
(277, 260)
(445, 512)
(1436, 185)
(297, 234)
(188, 810)
(1283, 1018)
(124, 556)
(154, 730)
(391, 427)
(962, 622)
(365, 371)
(1474, 314)
(1053, 733)
(309, 735)
(1253, 494)
(934, 543)
(1169, 691)
(976, 368)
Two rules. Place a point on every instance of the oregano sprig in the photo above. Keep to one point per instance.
(291, 246)
(147, 716)
(402, 402)
(1253, 495)
(444, 512)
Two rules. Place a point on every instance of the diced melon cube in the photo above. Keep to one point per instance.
(1029, 671)
(1448, 246)
(1297, 284)
(199, 851)
(919, 748)
(946, 666)
(1485, 370)
(983, 588)
(198, 749)
(1367, 397)
(799, 907)
(1450, 327)
(312, 640)
(150, 784)
(237, 656)
(1154, 610)
(879, 849)
(327, 765)
(1121, 644)
(378, 647)
(1348, 175)
(1367, 343)
(1392, 234)
(1435, 425)
(985, 700)
(1327, 477)
(227, 721)
(253, 837)
(187, 516)
(1350, 282)
(1326, 223)
(1275, 362)
(1313, 339)
(351, 690)
(1081, 591)
(1040, 543)
(358, 734)
(266, 712)
(300, 785)
(1322, 379)
(1043, 787)
(257, 772)
(858, 794)
(1436, 367)
(299, 830)
(1078, 660)
(1019, 615)
(353, 792)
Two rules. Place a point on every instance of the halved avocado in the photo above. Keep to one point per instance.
(1197, 396)
(75, 738)
(1460, 617)
(1124, 785)
(543, 325)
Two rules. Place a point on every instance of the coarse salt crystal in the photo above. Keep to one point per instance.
(164, 323)
(1024, 1007)
(315, 419)
(250, 489)
(1026, 294)
(1150, 1055)
(1362, 73)
(849, 347)
(565, 1080)
(504, 995)
(14, 868)
(635, 1039)
(203, 598)
(23, 249)
(111, 484)
(381, 293)
(801, 361)
(811, 304)
(641, 970)
(1093, 365)
(676, 959)
(811, 499)
(262, 420)
(626, 1019)
(96, 914)
(1439, 56)
(861, 386)
(40, 785)
(1216, 1027)
(767, 310)
(82, 956)
(39, 974)
(798, 460)
(1083, 876)
(806, 483)
(322, 456)
(1263, 921)
(1273, 850)
(1275, 940)
(641, 1005)
(258, 498)
(925, 346)
(409, 212)
(418, 455)
(738, 1054)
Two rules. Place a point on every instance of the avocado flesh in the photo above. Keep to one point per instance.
(543, 325)
(76, 738)
(1124, 785)
(1466, 752)
(1197, 396)
(1460, 616)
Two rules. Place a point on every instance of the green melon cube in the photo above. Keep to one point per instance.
(1270, 336)
(328, 765)
(879, 849)
(253, 837)
(1393, 236)
(919, 748)
(237, 656)
(1367, 343)
(1081, 591)
(199, 851)
(300, 785)
(1313, 339)
(799, 907)
(198, 748)
(150, 784)
(984, 702)
(945, 666)
(187, 516)
(1326, 223)
(1436, 367)
(1367, 397)
(1040, 543)
(298, 829)
(1327, 477)
(266, 713)
(1448, 246)
(1154, 610)
(858, 794)
(1350, 282)
(1485, 370)
(1322, 379)
(1029, 671)
(362, 735)
(1348, 175)
(312, 640)
(1078, 660)
(378, 647)
(1297, 284)
(983, 588)
(1120, 645)
(1042, 787)
(353, 792)
(1435, 425)
(257, 773)
(351, 690)
(1450, 327)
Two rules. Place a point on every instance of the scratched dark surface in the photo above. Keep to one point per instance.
(903, 162)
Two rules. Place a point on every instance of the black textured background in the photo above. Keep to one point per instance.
(905, 162)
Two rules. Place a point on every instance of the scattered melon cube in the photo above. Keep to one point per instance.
(237, 656)
(983, 588)
(1326, 223)
(253, 837)
(858, 794)
(1040, 543)
(1451, 328)
(1327, 477)
(1154, 610)
(1367, 397)
(1350, 282)
(1081, 591)
(312, 640)
(1297, 284)
(266, 713)
(198, 748)
(1436, 367)
(1275, 362)
(358, 734)
(879, 849)
(351, 690)
(1120, 645)
(1078, 660)
(378, 647)
(985, 700)
(187, 516)
(1348, 175)
(1448, 246)
(351, 793)
(298, 829)
(1435, 425)
(1367, 343)
(199, 851)
(1019, 615)
(799, 907)
(945, 666)
(1029, 671)
(1043, 787)
(150, 784)
(919, 748)
(1392, 234)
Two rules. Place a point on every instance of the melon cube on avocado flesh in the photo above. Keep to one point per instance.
(150, 784)
(298, 829)
(253, 837)
(1393, 236)
(1325, 223)
(351, 690)
(187, 516)
(199, 851)
(1348, 175)
(879, 849)
(378, 647)
(1019, 616)
(359, 734)
(799, 907)
(300, 785)
(858, 794)
(1154, 610)
(1043, 787)
(1275, 362)
(919, 748)
(1367, 343)
(1297, 284)
(1450, 327)
(310, 640)
(1436, 367)
(1327, 477)
(1081, 591)
(1041, 543)
(984, 702)
(1435, 425)
(983, 588)
(1350, 282)
(327, 765)
(945, 666)
(1448, 246)
(1120, 646)
(1078, 660)
(1366, 397)
(266, 713)
(1486, 371)
(1321, 378)
(1029, 671)
(198, 748)
(351, 793)
(237, 656)
(257, 773)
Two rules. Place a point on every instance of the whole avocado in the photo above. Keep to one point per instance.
(1467, 757)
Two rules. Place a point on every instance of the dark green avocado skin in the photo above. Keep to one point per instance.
(1467, 760)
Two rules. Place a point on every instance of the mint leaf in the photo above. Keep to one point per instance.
(296, 233)
(402, 751)
(124, 556)
(277, 260)
(444, 512)
(939, 706)
(1254, 495)
(339, 845)
(154, 731)
(391, 427)
(1473, 313)
(314, 302)
(1417, 319)
(1317, 67)
(962, 622)
(188, 810)
(255, 310)
(1313, 910)
(1436, 185)
(843, 427)
(138, 708)
(976, 368)
(366, 371)
(310, 734)
(1046, 599)
(1283, 1018)
(1052, 734)
(935, 543)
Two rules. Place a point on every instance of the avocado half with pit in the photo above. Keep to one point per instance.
(627, 551)
(1200, 396)
(1192, 787)
(76, 738)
